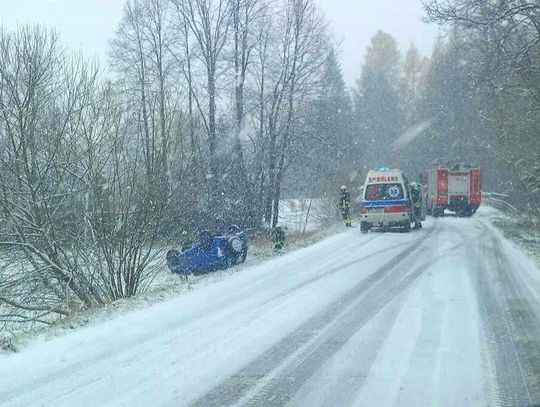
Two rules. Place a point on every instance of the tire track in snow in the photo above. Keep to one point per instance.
(282, 388)
(260, 383)
(328, 273)
(510, 326)
(523, 329)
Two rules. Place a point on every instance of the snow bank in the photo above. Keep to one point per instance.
(306, 214)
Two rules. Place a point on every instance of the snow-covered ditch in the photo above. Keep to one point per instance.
(306, 221)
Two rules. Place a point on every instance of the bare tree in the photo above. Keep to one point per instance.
(303, 36)
(80, 217)
(247, 15)
(259, 121)
(209, 21)
(509, 32)
(140, 54)
(123, 209)
(182, 51)
(42, 97)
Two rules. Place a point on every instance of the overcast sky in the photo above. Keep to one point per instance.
(89, 24)
(354, 22)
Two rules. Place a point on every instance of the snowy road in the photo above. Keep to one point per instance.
(446, 316)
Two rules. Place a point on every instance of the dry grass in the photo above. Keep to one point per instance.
(262, 246)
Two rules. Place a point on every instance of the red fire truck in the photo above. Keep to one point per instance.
(458, 189)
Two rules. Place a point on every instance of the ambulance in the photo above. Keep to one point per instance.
(386, 201)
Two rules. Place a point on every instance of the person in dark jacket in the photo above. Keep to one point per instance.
(345, 205)
(416, 197)
(279, 238)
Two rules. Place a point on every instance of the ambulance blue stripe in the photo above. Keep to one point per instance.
(373, 204)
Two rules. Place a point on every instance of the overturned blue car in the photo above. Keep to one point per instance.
(213, 252)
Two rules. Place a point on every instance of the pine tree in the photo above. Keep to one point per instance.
(447, 105)
(378, 104)
(414, 71)
(327, 150)
(333, 116)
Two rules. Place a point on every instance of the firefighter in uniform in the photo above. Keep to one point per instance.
(279, 238)
(345, 205)
(416, 197)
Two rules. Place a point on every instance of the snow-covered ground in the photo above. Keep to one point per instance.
(298, 215)
(446, 316)
(522, 229)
